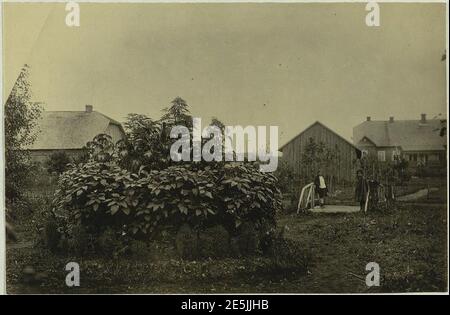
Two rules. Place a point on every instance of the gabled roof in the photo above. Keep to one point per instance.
(407, 134)
(70, 129)
(366, 139)
(322, 125)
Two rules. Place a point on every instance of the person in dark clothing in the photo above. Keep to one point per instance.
(361, 189)
(321, 188)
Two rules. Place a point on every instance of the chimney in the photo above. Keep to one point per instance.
(391, 119)
(368, 118)
(89, 108)
(423, 118)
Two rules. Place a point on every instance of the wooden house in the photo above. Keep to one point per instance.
(69, 131)
(420, 142)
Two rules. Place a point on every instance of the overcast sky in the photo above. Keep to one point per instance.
(260, 64)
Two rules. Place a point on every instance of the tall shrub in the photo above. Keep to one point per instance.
(20, 131)
(131, 187)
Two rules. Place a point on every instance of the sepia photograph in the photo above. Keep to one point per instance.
(224, 148)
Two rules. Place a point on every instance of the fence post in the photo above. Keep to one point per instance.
(367, 200)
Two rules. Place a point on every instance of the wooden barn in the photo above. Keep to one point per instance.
(343, 166)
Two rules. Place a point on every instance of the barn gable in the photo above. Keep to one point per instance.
(348, 153)
(366, 141)
(315, 124)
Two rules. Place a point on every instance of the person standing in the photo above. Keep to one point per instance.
(361, 189)
(321, 187)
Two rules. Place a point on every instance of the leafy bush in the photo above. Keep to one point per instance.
(388, 172)
(288, 180)
(52, 235)
(58, 162)
(111, 243)
(248, 240)
(99, 195)
(155, 251)
(147, 144)
(214, 242)
(248, 195)
(186, 242)
(135, 189)
(80, 241)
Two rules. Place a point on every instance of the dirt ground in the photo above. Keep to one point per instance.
(409, 244)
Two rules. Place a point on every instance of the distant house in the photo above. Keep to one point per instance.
(417, 141)
(69, 131)
(348, 154)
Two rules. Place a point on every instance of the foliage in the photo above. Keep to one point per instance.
(81, 242)
(288, 180)
(400, 168)
(248, 239)
(248, 195)
(186, 242)
(177, 114)
(111, 243)
(58, 162)
(101, 149)
(214, 242)
(288, 256)
(385, 172)
(52, 235)
(148, 142)
(99, 195)
(317, 156)
(20, 131)
(216, 122)
(135, 189)
(145, 144)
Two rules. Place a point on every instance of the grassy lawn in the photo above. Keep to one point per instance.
(409, 244)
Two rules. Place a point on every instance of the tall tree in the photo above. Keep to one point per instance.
(20, 131)
(216, 122)
(177, 113)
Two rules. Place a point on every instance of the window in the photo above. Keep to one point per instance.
(423, 158)
(395, 155)
(364, 153)
(381, 156)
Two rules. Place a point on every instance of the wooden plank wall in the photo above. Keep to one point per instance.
(292, 152)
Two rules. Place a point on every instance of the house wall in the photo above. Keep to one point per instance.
(413, 157)
(347, 160)
(367, 147)
(42, 156)
(388, 152)
(115, 132)
(428, 157)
